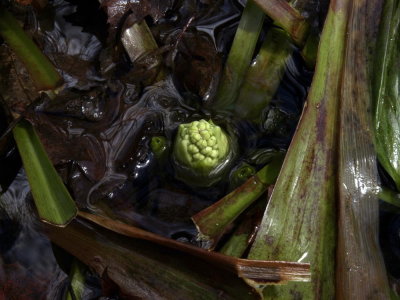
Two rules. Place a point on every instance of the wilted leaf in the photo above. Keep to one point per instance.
(138, 270)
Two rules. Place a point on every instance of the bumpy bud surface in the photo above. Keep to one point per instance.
(202, 147)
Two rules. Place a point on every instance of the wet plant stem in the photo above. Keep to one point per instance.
(287, 17)
(240, 56)
(52, 199)
(264, 75)
(213, 221)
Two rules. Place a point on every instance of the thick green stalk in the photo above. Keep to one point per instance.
(214, 220)
(52, 199)
(299, 222)
(266, 72)
(386, 93)
(264, 76)
(240, 56)
(39, 66)
(286, 17)
(310, 50)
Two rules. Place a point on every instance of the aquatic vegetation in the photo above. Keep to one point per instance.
(202, 152)
(182, 152)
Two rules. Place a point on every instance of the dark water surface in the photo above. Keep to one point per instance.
(98, 130)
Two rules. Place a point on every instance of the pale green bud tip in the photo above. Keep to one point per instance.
(201, 145)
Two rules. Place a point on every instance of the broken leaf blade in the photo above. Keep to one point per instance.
(52, 199)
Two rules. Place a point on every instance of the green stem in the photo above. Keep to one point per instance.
(39, 66)
(310, 50)
(264, 76)
(240, 56)
(360, 268)
(213, 221)
(286, 17)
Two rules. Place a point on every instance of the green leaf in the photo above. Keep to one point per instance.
(299, 222)
(386, 91)
(52, 199)
(360, 268)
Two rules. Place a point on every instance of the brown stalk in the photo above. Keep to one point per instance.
(135, 269)
(254, 272)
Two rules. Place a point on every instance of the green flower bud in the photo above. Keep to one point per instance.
(201, 151)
